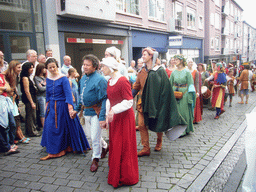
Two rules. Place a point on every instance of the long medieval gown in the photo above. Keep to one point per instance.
(123, 160)
(198, 107)
(183, 81)
(60, 131)
(218, 93)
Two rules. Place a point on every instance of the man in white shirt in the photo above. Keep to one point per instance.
(66, 65)
(32, 58)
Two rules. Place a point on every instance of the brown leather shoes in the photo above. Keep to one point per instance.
(144, 152)
(159, 144)
(94, 165)
(104, 152)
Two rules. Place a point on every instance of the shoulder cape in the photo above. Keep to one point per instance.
(159, 103)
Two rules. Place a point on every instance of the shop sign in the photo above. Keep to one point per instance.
(175, 41)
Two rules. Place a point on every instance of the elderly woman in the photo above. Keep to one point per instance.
(28, 91)
(182, 81)
(123, 160)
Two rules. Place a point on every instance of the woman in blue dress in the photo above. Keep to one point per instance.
(61, 134)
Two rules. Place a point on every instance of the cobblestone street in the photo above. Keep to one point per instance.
(186, 164)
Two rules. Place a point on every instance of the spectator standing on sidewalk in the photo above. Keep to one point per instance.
(3, 63)
(7, 122)
(40, 82)
(41, 59)
(123, 160)
(66, 65)
(12, 77)
(28, 97)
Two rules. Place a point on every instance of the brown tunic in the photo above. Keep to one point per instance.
(139, 85)
(244, 77)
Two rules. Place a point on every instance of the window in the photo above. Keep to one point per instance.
(212, 19)
(128, 6)
(217, 43)
(212, 43)
(231, 27)
(201, 22)
(191, 18)
(231, 44)
(156, 9)
(231, 9)
(16, 15)
(217, 21)
(178, 11)
(217, 2)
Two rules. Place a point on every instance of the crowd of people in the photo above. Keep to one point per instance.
(169, 96)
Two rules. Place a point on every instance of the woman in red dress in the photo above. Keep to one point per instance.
(197, 82)
(123, 160)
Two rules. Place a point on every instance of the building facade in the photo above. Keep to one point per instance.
(204, 30)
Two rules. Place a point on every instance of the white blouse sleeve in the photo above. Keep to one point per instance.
(210, 78)
(123, 106)
(107, 106)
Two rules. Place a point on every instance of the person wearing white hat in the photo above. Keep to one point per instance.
(123, 161)
(116, 53)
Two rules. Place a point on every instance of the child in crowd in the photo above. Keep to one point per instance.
(72, 74)
(230, 90)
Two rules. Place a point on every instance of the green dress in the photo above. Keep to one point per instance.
(183, 81)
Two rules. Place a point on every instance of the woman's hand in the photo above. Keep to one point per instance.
(110, 116)
(33, 105)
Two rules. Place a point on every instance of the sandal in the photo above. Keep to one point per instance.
(10, 152)
(24, 140)
(241, 102)
(14, 147)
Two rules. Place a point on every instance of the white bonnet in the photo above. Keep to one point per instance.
(111, 63)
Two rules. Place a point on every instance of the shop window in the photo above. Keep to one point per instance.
(128, 6)
(191, 18)
(156, 9)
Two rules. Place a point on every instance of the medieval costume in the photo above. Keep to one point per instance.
(123, 160)
(198, 107)
(138, 87)
(61, 133)
(182, 81)
(218, 90)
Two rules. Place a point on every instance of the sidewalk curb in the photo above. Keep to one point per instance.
(201, 181)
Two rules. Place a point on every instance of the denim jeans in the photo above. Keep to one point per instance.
(92, 130)
(7, 135)
(41, 100)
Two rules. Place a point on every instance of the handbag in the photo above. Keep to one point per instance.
(178, 94)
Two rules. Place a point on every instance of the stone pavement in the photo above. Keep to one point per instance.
(186, 164)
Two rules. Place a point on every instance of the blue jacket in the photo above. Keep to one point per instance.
(93, 90)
